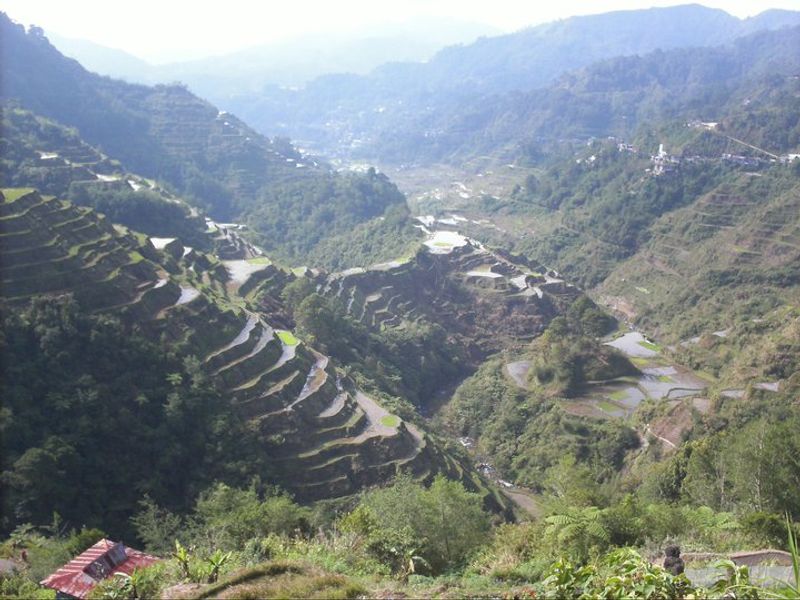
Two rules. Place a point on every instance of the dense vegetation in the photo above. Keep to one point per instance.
(86, 437)
(526, 431)
(145, 211)
(290, 220)
(392, 236)
(409, 363)
(403, 539)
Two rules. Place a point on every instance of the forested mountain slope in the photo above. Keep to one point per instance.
(209, 157)
(405, 113)
(614, 97)
(611, 201)
(684, 224)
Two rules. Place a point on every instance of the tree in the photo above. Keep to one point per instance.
(230, 517)
(156, 527)
(570, 483)
(297, 291)
(708, 474)
(316, 322)
(444, 523)
(457, 518)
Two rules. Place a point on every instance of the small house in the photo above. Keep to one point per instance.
(103, 560)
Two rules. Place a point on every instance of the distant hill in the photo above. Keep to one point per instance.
(707, 242)
(104, 60)
(291, 62)
(357, 115)
(609, 97)
(208, 156)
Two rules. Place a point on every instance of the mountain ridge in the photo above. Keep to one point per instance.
(290, 62)
(394, 95)
(208, 156)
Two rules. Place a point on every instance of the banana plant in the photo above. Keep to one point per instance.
(182, 556)
(216, 561)
(410, 562)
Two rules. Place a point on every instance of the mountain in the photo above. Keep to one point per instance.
(104, 60)
(317, 374)
(690, 241)
(288, 63)
(609, 97)
(352, 115)
(208, 156)
(684, 223)
(583, 196)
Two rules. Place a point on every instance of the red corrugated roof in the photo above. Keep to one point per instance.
(73, 578)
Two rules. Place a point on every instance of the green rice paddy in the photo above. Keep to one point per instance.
(607, 406)
(650, 346)
(287, 338)
(390, 421)
(12, 194)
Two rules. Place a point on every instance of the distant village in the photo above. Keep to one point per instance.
(663, 162)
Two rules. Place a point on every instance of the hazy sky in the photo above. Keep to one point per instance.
(161, 30)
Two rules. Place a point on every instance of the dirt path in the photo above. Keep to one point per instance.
(658, 437)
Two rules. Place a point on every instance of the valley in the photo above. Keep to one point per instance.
(549, 309)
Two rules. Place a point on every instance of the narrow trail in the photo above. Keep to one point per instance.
(658, 437)
(743, 143)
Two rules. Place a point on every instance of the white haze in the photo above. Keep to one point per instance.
(163, 31)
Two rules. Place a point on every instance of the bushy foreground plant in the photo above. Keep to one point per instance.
(624, 573)
(441, 526)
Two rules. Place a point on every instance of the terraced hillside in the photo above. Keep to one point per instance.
(42, 154)
(482, 298)
(728, 257)
(53, 247)
(164, 126)
(324, 437)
